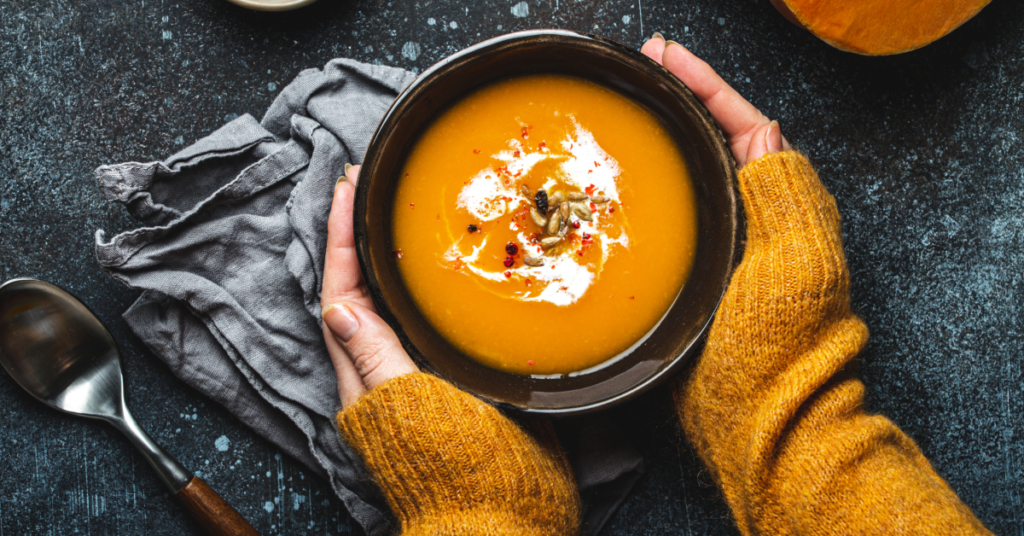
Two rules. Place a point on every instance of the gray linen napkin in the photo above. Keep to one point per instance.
(230, 261)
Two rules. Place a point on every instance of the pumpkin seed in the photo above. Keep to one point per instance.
(554, 223)
(563, 209)
(525, 191)
(564, 230)
(599, 199)
(533, 261)
(556, 199)
(582, 212)
(577, 196)
(550, 242)
(538, 218)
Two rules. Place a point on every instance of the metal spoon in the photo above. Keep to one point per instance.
(59, 352)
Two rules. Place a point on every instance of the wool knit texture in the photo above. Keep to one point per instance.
(772, 405)
(450, 464)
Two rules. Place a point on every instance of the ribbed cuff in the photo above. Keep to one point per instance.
(782, 193)
(442, 457)
(793, 219)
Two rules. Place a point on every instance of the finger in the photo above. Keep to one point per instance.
(736, 116)
(370, 343)
(342, 278)
(654, 47)
(350, 384)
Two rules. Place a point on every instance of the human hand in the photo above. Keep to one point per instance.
(750, 134)
(793, 228)
(439, 455)
(364, 349)
(771, 405)
(782, 330)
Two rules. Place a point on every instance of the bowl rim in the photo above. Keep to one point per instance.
(719, 147)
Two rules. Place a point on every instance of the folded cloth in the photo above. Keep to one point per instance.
(230, 261)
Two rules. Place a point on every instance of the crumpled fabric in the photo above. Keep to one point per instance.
(230, 260)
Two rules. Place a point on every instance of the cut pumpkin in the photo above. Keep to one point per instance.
(879, 27)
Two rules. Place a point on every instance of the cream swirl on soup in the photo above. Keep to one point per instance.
(580, 165)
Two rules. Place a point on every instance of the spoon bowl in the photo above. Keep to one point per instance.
(57, 350)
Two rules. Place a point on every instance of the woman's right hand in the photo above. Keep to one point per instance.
(445, 461)
(750, 134)
(364, 349)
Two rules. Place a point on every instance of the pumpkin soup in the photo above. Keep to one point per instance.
(544, 224)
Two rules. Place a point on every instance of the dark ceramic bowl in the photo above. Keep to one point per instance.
(670, 345)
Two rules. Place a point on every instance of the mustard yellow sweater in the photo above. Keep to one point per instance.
(772, 407)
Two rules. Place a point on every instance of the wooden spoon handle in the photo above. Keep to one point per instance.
(216, 516)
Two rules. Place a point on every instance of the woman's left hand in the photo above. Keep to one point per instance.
(364, 349)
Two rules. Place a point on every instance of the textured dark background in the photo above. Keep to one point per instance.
(924, 153)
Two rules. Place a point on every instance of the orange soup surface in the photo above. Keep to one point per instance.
(478, 250)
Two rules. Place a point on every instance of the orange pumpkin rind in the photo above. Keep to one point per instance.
(879, 27)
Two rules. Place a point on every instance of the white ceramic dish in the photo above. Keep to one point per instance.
(272, 5)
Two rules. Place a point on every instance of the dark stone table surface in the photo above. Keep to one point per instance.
(924, 153)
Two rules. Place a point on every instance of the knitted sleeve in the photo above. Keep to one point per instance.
(772, 405)
(449, 464)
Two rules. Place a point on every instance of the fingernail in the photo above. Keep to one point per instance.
(671, 42)
(343, 178)
(340, 320)
(773, 138)
(657, 35)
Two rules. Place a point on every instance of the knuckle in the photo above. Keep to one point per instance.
(370, 357)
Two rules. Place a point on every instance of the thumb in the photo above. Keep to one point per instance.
(767, 139)
(368, 342)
